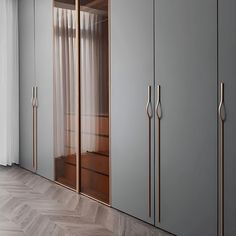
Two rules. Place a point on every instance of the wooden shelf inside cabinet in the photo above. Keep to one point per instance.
(66, 170)
(95, 174)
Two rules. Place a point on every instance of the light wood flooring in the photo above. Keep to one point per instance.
(31, 205)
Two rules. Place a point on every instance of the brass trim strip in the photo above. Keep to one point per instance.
(222, 117)
(159, 115)
(94, 199)
(77, 9)
(65, 186)
(149, 114)
(109, 74)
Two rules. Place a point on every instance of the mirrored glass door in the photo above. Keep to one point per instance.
(94, 99)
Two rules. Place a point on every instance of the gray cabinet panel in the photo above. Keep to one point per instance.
(44, 81)
(36, 69)
(227, 73)
(27, 80)
(131, 74)
(186, 69)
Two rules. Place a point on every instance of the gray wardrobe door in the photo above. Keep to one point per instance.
(227, 74)
(27, 81)
(44, 81)
(131, 74)
(186, 69)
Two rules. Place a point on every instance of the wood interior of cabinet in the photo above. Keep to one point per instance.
(94, 163)
(65, 170)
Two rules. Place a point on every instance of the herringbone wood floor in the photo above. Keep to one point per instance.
(31, 205)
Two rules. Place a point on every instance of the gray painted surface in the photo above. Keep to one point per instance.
(131, 73)
(44, 81)
(27, 80)
(186, 69)
(227, 74)
(36, 69)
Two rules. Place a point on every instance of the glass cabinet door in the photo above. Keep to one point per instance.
(65, 92)
(94, 99)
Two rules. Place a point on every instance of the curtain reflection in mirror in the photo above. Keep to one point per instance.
(89, 53)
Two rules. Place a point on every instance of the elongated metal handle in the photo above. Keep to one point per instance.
(149, 114)
(36, 96)
(221, 110)
(36, 129)
(149, 103)
(33, 125)
(222, 118)
(34, 102)
(159, 116)
(158, 103)
(33, 96)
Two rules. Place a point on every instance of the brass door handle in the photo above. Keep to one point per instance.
(33, 126)
(36, 129)
(33, 96)
(36, 96)
(158, 111)
(149, 103)
(222, 118)
(34, 102)
(158, 103)
(149, 114)
(221, 110)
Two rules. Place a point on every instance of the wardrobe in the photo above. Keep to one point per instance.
(169, 125)
(172, 163)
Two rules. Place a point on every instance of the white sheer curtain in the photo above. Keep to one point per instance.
(90, 32)
(64, 81)
(9, 83)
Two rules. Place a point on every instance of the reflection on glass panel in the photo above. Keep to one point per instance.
(94, 94)
(65, 92)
